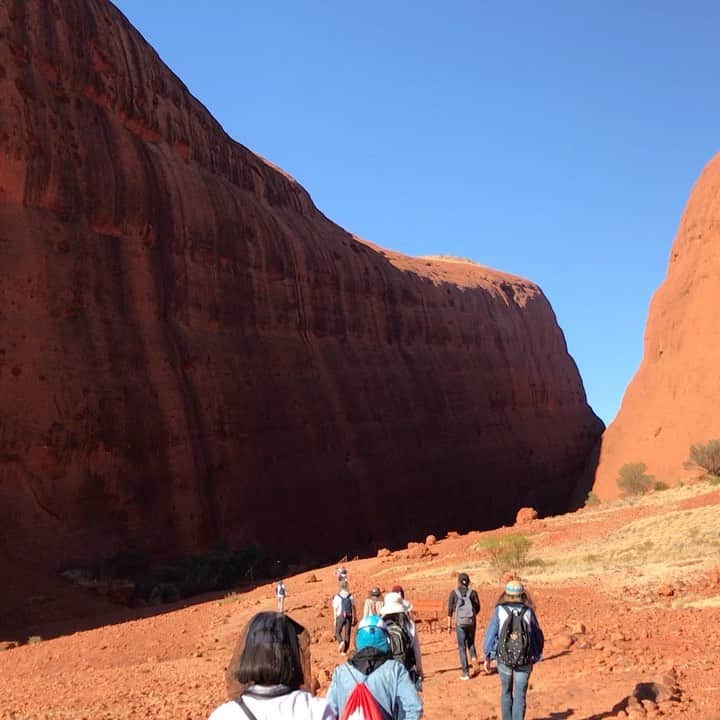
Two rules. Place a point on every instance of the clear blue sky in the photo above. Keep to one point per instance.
(555, 140)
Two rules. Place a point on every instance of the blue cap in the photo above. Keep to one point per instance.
(372, 632)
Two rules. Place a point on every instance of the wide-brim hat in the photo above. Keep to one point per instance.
(393, 603)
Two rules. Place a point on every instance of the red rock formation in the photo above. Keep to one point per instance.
(672, 402)
(190, 352)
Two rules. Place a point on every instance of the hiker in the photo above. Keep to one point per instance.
(514, 638)
(464, 605)
(269, 674)
(341, 575)
(404, 641)
(373, 603)
(344, 613)
(406, 603)
(281, 594)
(372, 678)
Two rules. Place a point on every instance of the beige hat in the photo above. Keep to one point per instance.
(394, 603)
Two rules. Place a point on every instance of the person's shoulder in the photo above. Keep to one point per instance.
(301, 704)
(226, 711)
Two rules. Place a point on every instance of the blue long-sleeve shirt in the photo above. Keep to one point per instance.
(390, 685)
(492, 632)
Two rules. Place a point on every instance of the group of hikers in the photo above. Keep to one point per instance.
(269, 676)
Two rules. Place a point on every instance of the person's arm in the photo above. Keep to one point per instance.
(451, 609)
(408, 700)
(332, 694)
(475, 600)
(490, 639)
(537, 638)
(416, 650)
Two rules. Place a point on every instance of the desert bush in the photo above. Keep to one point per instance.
(706, 456)
(509, 552)
(592, 499)
(633, 480)
(660, 485)
(714, 480)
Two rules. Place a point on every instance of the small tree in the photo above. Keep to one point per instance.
(509, 552)
(706, 456)
(633, 480)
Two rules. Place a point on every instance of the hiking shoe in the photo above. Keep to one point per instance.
(464, 676)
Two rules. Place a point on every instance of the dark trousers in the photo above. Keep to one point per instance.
(466, 642)
(342, 631)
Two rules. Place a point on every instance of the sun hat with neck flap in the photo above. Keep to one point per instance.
(372, 633)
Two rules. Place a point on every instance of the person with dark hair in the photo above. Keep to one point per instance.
(269, 674)
(345, 616)
(464, 605)
(514, 638)
(373, 666)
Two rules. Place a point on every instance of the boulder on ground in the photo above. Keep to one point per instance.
(525, 515)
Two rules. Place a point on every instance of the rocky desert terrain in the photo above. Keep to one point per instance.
(628, 594)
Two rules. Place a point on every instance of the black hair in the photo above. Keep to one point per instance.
(271, 654)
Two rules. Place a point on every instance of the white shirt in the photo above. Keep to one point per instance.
(297, 705)
(337, 602)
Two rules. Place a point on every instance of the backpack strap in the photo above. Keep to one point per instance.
(245, 708)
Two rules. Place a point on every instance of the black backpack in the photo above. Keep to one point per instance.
(346, 606)
(513, 647)
(401, 643)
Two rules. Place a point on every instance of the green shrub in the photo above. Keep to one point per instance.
(633, 480)
(714, 480)
(592, 499)
(706, 456)
(509, 552)
(660, 485)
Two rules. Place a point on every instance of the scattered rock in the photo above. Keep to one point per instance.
(312, 578)
(666, 590)
(430, 540)
(563, 641)
(384, 552)
(525, 515)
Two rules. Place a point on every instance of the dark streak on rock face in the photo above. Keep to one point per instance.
(192, 353)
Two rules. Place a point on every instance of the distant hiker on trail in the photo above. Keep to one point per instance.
(406, 603)
(341, 575)
(269, 674)
(464, 605)
(373, 603)
(371, 684)
(404, 641)
(515, 639)
(344, 613)
(281, 594)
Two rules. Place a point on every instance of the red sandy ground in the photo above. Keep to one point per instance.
(600, 644)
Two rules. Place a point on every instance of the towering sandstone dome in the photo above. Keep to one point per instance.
(191, 353)
(674, 399)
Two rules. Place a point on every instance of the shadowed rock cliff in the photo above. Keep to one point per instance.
(190, 352)
(672, 402)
